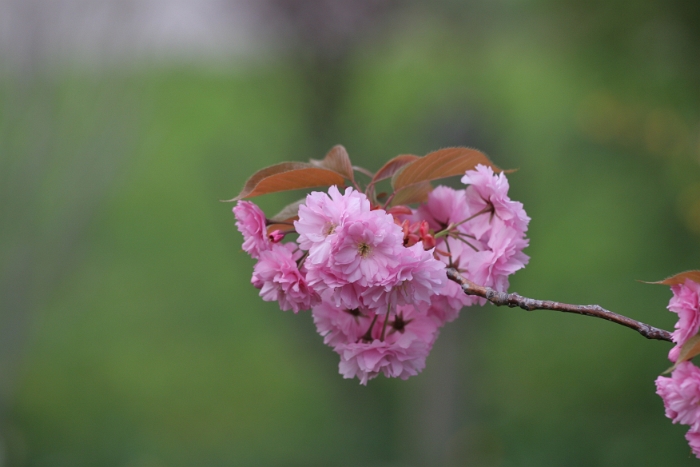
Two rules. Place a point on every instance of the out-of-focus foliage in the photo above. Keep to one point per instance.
(129, 332)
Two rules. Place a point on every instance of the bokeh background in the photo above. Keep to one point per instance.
(129, 332)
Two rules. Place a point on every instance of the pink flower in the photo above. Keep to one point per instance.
(486, 244)
(369, 266)
(366, 247)
(502, 257)
(445, 206)
(340, 325)
(488, 190)
(681, 394)
(686, 303)
(693, 438)
(277, 276)
(321, 217)
(417, 277)
(408, 339)
(250, 221)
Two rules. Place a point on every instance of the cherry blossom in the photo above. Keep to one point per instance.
(322, 215)
(279, 279)
(489, 191)
(374, 277)
(681, 394)
(408, 339)
(250, 221)
(686, 303)
(339, 325)
(367, 247)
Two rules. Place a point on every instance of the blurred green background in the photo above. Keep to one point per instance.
(129, 332)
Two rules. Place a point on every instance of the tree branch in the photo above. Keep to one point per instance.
(513, 300)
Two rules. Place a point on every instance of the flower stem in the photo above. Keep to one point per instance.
(386, 320)
(389, 200)
(449, 228)
(451, 264)
(367, 337)
(301, 260)
(456, 237)
(362, 170)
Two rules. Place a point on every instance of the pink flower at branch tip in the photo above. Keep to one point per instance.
(279, 279)
(681, 395)
(250, 221)
(487, 189)
(502, 257)
(686, 303)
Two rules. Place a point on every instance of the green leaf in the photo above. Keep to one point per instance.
(338, 161)
(440, 164)
(287, 176)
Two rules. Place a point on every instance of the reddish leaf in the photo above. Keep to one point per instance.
(690, 349)
(281, 227)
(394, 165)
(338, 161)
(416, 193)
(680, 278)
(440, 164)
(287, 176)
(290, 210)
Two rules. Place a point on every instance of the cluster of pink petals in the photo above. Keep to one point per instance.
(323, 214)
(489, 235)
(366, 249)
(279, 279)
(681, 396)
(681, 392)
(363, 263)
(489, 190)
(409, 337)
(375, 279)
(686, 303)
(250, 221)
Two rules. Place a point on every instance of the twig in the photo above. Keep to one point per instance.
(513, 300)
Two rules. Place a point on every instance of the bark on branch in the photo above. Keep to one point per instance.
(513, 300)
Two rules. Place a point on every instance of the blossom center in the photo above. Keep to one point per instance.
(399, 324)
(329, 228)
(364, 249)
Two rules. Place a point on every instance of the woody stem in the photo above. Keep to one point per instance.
(513, 300)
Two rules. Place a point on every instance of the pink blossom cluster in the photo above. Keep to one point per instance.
(374, 278)
(681, 392)
(485, 239)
